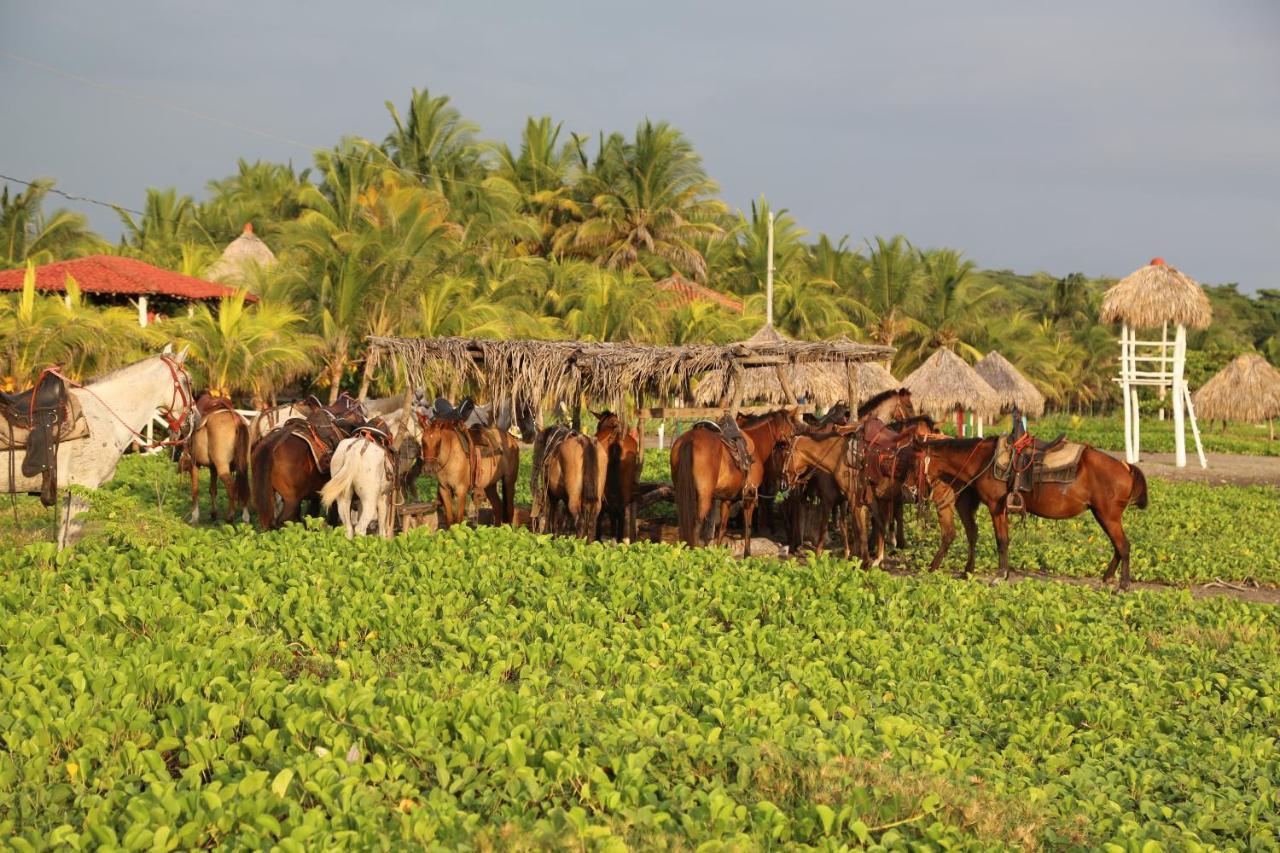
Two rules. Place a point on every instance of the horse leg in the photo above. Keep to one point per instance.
(195, 492)
(495, 501)
(229, 483)
(70, 529)
(213, 493)
(722, 528)
(1120, 548)
(1000, 523)
(947, 522)
(344, 514)
(748, 510)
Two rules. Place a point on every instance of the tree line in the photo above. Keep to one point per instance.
(435, 231)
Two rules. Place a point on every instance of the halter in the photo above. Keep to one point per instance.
(180, 393)
(927, 457)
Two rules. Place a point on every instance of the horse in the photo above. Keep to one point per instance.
(815, 500)
(269, 419)
(1103, 485)
(470, 459)
(888, 406)
(623, 473)
(837, 454)
(221, 444)
(888, 453)
(116, 407)
(703, 470)
(569, 469)
(292, 461)
(365, 469)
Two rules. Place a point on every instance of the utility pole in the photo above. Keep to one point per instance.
(768, 287)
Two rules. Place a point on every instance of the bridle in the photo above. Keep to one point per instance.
(922, 470)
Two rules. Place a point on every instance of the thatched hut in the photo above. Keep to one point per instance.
(242, 255)
(1154, 295)
(1247, 389)
(946, 385)
(821, 383)
(1014, 389)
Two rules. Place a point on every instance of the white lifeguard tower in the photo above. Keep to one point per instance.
(1157, 296)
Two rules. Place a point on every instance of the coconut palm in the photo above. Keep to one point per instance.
(267, 195)
(954, 296)
(167, 225)
(613, 305)
(890, 289)
(650, 201)
(28, 233)
(436, 145)
(250, 350)
(539, 175)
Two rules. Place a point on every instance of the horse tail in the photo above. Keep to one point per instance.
(590, 473)
(1137, 492)
(263, 499)
(342, 473)
(240, 461)
(686, 483)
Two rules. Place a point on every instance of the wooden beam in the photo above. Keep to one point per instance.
(785, 383)
(687, 413)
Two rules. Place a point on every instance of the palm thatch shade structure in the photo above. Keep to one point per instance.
(607, 373)
(1154, 295)
(241, 255)
(945, 384)
(1014, 389)
(1247, 389)
(821, 383)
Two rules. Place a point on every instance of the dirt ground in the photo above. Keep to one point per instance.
(1224, 469)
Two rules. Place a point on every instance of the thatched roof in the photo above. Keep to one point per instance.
(1012, 387)
(604, 372)
(685, 291)
(1247, 389)
(822, 383)
(241, 253)
(1155, 295)
(945, 382)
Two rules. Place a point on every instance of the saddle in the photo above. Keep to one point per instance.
(376, 431)
(1026, 461)
(727, 429)
(880, 446)
(207, 404)
(39, 419)
(322, 432)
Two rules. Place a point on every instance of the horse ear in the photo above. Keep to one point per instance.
(182, 354)
(168, 350)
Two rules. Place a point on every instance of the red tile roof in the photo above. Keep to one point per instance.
(687, 291)
(112, 274)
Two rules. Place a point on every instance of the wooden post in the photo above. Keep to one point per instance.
(959, 422)
(1179, 396)
(736, 402)
(1195, 428)
(980, 435)
(851, 377)
(1137, 425)
(768, 287)
(142, 311)
(787, 393)
(1124, 395)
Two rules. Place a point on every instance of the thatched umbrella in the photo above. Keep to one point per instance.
(240, 255)
(945, 384)
(1014, 389)
(822, 383)
(1154, 295)
(1247, 389)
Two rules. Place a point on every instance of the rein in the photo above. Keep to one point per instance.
(179, 393)
(928, 456)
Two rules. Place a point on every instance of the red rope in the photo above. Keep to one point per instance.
(179, 392)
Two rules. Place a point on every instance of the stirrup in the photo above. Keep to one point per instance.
(1015, 502)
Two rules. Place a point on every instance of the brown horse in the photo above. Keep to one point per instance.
(466, 460)
(623, 472)
(221, 444)
(569, 471)
(1103, 485)
(703, 471)
(889, 461)
(292, 461)
(888, 406)
(837, 454)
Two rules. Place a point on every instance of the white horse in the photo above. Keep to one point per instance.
(117, 408)
(360, 468)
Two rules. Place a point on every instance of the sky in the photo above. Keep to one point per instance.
(1064, 137)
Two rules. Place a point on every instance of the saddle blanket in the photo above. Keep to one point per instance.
(75, 426)
(1059, 465)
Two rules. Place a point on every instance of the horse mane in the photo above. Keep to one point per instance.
(756, 420)
(958, 443)
(898, 426)
(875, 401)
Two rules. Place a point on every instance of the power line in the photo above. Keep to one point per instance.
(70, 196)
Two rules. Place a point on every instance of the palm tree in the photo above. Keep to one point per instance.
(890, 290)
(650, 201)
(953, 300)
(790, 254)
(29, 234)
(610, 305)
(264, 194)
(436, 145)
(167, 226)
(241, 349)
(539, 175)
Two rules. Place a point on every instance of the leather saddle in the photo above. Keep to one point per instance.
(39, 419)
(727, 429)
(376, 431)
(322, 431)
(1024, 461)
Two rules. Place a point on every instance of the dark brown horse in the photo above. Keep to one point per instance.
(466, 460)
(887, 406)
(703, 471)
(568, 474)
(622, 448)
(221, 444)
(835, 453)
(292, 461)
(963, 466)
(889, 456)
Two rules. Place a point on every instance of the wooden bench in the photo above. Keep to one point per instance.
(414, 515)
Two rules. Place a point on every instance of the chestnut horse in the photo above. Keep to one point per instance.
(888, 406)
(890, 461)
(470, 459)
(1103, 485)
(623, 472)
(836, 454)
(221, 444)
(703, 471)
(569, 471)
(285, 464)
